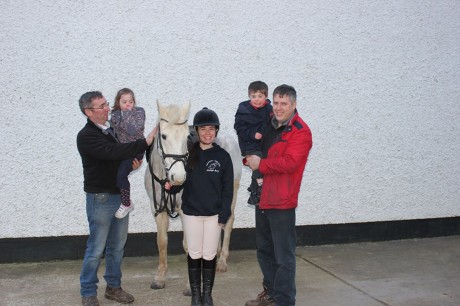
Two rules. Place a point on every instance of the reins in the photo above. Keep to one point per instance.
(166, 196)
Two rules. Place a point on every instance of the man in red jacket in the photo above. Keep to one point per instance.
(285, 151)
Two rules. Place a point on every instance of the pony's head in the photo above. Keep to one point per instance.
(171, 140)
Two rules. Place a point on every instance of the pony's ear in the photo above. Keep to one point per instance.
(185, 110)
(159, 108)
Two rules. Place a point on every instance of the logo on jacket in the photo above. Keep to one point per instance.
(213, 166)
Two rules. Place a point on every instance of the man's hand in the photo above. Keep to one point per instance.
(136, 163)
(151, 135)
(253, 161)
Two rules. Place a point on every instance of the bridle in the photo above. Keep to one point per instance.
(167, 196)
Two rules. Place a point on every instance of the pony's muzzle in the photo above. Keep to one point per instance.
(177, 179)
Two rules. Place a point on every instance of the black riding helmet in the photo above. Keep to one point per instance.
(206, 117)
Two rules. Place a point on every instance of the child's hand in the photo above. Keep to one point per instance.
(258, 136)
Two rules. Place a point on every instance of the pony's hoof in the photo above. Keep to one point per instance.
(155, 285)
(221, 267)
(187, 292)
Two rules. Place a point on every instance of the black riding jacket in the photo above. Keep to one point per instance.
(208, 189)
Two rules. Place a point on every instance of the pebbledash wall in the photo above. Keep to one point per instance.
(377, 81)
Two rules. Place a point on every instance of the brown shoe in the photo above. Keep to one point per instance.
(263, 299)
(89, 301)
(119, 295)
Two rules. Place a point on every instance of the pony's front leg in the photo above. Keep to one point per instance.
(159, 281)
(186, 291)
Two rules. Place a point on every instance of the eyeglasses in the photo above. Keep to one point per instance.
(102, 106)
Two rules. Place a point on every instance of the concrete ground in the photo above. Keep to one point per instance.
(405, 272)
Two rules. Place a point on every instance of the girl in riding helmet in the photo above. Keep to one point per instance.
(206, 201)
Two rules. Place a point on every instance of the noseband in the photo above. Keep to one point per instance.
(167, 196)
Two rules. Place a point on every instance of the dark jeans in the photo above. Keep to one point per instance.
(276, 242)
(125, 168)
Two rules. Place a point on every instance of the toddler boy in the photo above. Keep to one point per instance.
(251, 119)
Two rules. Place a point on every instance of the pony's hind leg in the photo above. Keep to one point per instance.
(224, 249)
(159, 281)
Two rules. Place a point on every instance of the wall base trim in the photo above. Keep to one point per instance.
(144, 244)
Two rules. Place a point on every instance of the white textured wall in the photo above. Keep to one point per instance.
(378, 83)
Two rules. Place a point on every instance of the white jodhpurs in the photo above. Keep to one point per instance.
(202, 234)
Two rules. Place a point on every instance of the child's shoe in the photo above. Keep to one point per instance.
(254, 197)
(123, 210)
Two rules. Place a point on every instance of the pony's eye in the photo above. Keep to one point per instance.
(163, 136)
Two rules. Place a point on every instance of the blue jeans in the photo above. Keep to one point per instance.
(105, 233)
(276, 242)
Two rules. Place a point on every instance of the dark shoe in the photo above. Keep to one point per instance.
(119, 295)
(258, 193)
(90, 301)
(194, 276)
(209, 274)
(254, 197)
(263, 299)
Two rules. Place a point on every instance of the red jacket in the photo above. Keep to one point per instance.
(284, 165)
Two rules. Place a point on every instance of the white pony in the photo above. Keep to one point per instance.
(166, 160)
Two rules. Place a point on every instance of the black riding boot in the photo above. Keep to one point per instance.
(194, 276)
(209, 273)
